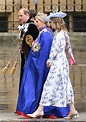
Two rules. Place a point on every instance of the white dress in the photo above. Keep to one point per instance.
(57, 89)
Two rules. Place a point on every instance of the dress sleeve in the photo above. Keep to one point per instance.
(68, 45)
(55, 48)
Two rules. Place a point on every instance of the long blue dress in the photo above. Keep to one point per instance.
(34, 77)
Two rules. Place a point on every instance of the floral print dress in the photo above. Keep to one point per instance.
(57, 89)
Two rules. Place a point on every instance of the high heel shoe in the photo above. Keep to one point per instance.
(71, 116)
(36, 115)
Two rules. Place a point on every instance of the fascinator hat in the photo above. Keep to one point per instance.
(55, 14)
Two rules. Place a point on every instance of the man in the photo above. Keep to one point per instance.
(33, 13)
(28, 34)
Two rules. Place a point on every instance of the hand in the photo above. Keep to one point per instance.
(48, 64)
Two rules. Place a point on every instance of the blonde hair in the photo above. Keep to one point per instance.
(41, 17)
(59, 23)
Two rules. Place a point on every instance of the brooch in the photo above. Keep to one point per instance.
(29, 40)
(36, 47)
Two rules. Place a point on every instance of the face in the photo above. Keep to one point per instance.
(22, 17)
(52, 25)
(39, 24)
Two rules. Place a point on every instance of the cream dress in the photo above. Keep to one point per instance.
(57, 89)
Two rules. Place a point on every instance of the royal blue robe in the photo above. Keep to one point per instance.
(35, 74)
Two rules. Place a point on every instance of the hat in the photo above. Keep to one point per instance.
(48, 17)
(55, 14)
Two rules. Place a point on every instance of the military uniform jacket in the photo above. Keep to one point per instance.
(33, 32)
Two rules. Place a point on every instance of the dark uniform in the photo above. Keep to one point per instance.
(25, 49)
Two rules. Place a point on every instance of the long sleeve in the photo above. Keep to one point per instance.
(54, 49)
(57, 45)
(68, 45)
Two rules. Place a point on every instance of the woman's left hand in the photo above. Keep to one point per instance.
(48, 64)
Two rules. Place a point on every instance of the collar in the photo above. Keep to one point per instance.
(29, 21)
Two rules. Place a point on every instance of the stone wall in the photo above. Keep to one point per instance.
(9, 45)
(8, 84)
(78, 71)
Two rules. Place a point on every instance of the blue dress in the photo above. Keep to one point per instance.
(35, 74)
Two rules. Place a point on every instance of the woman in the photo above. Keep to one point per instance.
(35, 71)
(57, 90)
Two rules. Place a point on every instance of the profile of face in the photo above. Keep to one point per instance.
(39, 23)
(22, 17)
(52, 25)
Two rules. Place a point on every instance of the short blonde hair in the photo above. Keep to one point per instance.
(41, 17)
